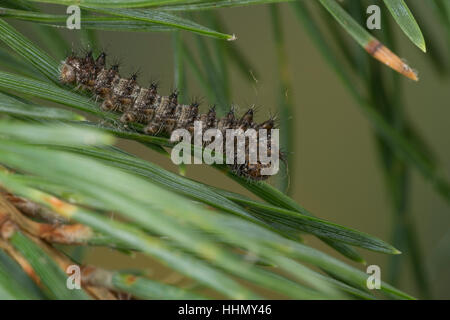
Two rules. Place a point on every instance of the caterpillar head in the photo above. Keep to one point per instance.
(81, 69)
(69, 69)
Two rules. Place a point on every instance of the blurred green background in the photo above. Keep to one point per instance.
(336, 171)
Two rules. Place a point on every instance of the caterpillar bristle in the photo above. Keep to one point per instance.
(101, 60)
(195, 104)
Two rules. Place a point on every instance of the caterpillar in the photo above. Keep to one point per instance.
(159, 114)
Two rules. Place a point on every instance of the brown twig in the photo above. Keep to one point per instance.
(34, 210)
(73, 234)
(11, 220)
(16, 256)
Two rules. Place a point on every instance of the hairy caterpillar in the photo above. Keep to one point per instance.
(159, 114)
